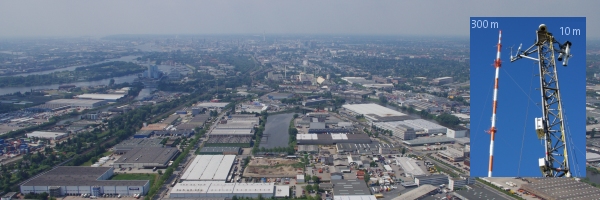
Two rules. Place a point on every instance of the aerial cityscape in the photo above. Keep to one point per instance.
(252, 113)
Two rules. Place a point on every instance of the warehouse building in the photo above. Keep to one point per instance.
(442, 80)
(212, 105)
(431, 140)
(315, 102)
(410, 166)
(220, 151)
(279, 96)
(107, 97)
(130, 144)
(399, 129)
(592, 157)
(328, 130)
(456, 133)
(375, 113)
(456, 183)
(232, 132)
(63, 180)
(427, 126)
(143, 134)
(147, 157)
(435, 179)
(561, 189)
(331, 139)
(452, 154)
(418, 193)
(217, 189)
(48, 108)
(209, 168)
(47, 135)
(230, 141)
(350, 187)
(78, 103)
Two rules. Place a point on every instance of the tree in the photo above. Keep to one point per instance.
(296, 115)
(367, 177)
(160, 172)
(383, 100)
(309, 188)
(315, 179)
(403, 151)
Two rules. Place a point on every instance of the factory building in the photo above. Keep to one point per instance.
(107, 97)
(427, 126)
(232, 132)
(217, 189)
(561, 188)
(375, 113)
(220, 151)
(279, 96)
(331, 139)
(209, 168)
(147, 157)
(418, 193)
(456, 183)
(410, 166)
(47, 135)
(63, 180)
(78, 103)
(130, 144)
(431, 140)
(456, 133)
(350, 187)
(435, 179)
(442, 80)
(398, 129)
(452, 154)
(315, 102)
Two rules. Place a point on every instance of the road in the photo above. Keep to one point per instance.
(493, 190)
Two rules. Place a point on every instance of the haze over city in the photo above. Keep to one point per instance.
(422, 18)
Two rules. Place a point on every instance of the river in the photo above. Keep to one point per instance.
(121, 79)
(124, 58)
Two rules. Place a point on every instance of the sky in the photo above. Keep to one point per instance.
(28, 18)
(516, 146)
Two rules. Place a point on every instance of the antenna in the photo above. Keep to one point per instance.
(550, 127)
(492, 131)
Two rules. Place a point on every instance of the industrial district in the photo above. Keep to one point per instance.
(252, 118)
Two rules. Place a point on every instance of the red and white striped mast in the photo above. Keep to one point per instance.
(492, 130)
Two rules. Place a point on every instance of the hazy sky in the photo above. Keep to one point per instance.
(424, 17)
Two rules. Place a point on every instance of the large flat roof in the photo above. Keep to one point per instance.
(209, 167)
(417, 192)
(350, 187)
(218, 187)
(366, 109)
(592, 157)
(138, 142)
(101, 96)
(212, 104)
(426, 125)
(150, 155)
(562, 188)
(428, 140)
(232, 131)
(409, 166)
(354, 197)
(79, 176)
(45, 134)
(74, 101)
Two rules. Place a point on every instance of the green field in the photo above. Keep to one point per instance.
(151, 177)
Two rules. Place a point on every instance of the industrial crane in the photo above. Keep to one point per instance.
(550, 127)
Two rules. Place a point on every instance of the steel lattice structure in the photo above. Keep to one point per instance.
(550, 127)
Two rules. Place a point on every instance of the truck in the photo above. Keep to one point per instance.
(379, 196)
(321, 171)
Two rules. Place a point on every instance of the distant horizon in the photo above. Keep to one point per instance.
(69, 18)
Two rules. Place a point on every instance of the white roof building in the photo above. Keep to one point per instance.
(47, 135)
(108, 97)
(209, 168)
(375, 112)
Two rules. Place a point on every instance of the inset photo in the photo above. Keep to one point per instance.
(528, 96)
